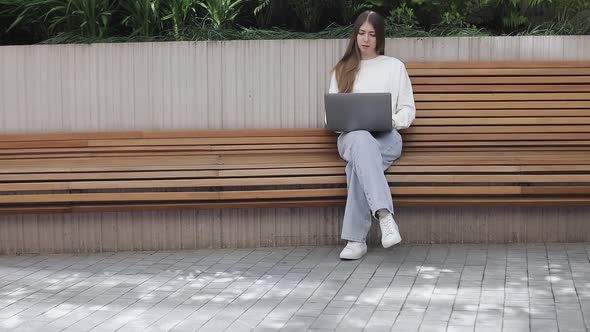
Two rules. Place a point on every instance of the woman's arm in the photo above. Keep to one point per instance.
(405, 111)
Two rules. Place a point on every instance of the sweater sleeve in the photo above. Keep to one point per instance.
(405, 110)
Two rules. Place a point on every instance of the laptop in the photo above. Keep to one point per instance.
(358, 111)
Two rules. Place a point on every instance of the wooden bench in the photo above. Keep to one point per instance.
(485, 134)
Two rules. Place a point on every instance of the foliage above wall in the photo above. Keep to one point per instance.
(75, 21)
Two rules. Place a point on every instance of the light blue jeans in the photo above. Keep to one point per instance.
(368, 155)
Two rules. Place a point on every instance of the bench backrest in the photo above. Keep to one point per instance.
(501, 104)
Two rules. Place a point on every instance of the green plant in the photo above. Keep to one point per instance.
(263, 12)
(468, 16)
(403, 15)
(348, 9)
(89, 18)
(479, 12)
(221, 14)
(15, 13)
(83, 21)
(142, 16)
(179, 13)
(402, 22)
(309, 12)
(516, 14)
(20, 25)
(453, 23)
(575, 14)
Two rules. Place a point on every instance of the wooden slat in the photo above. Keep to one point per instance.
(284, 132)
(41, 209)
(495, 137)
(81, 137)
(501, 96)
(402, 201)
(462, 88)
(228, 173)
(184, 183)
(556, 190)
(413, 145)
(97, 155)
(43, 144)
(273, 161)
(497, 64)
(528, 155)
(167, 141)
(427, 80)
(456, 145)
(504, 113)
(292, 193)
(75, 176)
(213, 141)
(399, 201)
(541, 149)
(425, 105)
(494, 201)
(113, 162)
(239, 133)
(151, 149)
(498, 71)
(171, 196)
(143, 167)
(137, 154)
(484, 129)
(234, 159)
(288, 179)
(187, 150)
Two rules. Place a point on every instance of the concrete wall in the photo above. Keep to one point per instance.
(210, 85)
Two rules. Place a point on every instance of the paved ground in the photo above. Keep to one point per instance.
(536, 287)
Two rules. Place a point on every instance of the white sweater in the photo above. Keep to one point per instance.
(386, 74)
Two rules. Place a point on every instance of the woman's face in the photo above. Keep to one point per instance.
(366, 40)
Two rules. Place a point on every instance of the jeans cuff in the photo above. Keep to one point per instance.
(374, 213)
(352, 238)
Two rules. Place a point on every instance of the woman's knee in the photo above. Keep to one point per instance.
(348, 141)
(360, 135)
(355, 137)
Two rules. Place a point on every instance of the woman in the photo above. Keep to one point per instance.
(364, 68)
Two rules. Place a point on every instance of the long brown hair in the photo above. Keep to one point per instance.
(347, 68)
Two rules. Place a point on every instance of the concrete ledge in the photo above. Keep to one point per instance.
(248, 228)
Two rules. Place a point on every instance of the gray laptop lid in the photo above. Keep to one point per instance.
(358, 111)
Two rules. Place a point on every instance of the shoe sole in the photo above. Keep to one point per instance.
(350, 259)
(396, 241)
(353, 258)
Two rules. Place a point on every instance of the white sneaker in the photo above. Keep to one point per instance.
(389, 231)
(353, 250)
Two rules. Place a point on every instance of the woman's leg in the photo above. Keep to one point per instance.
(357, 215)
(368, 190)
(390, 145)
